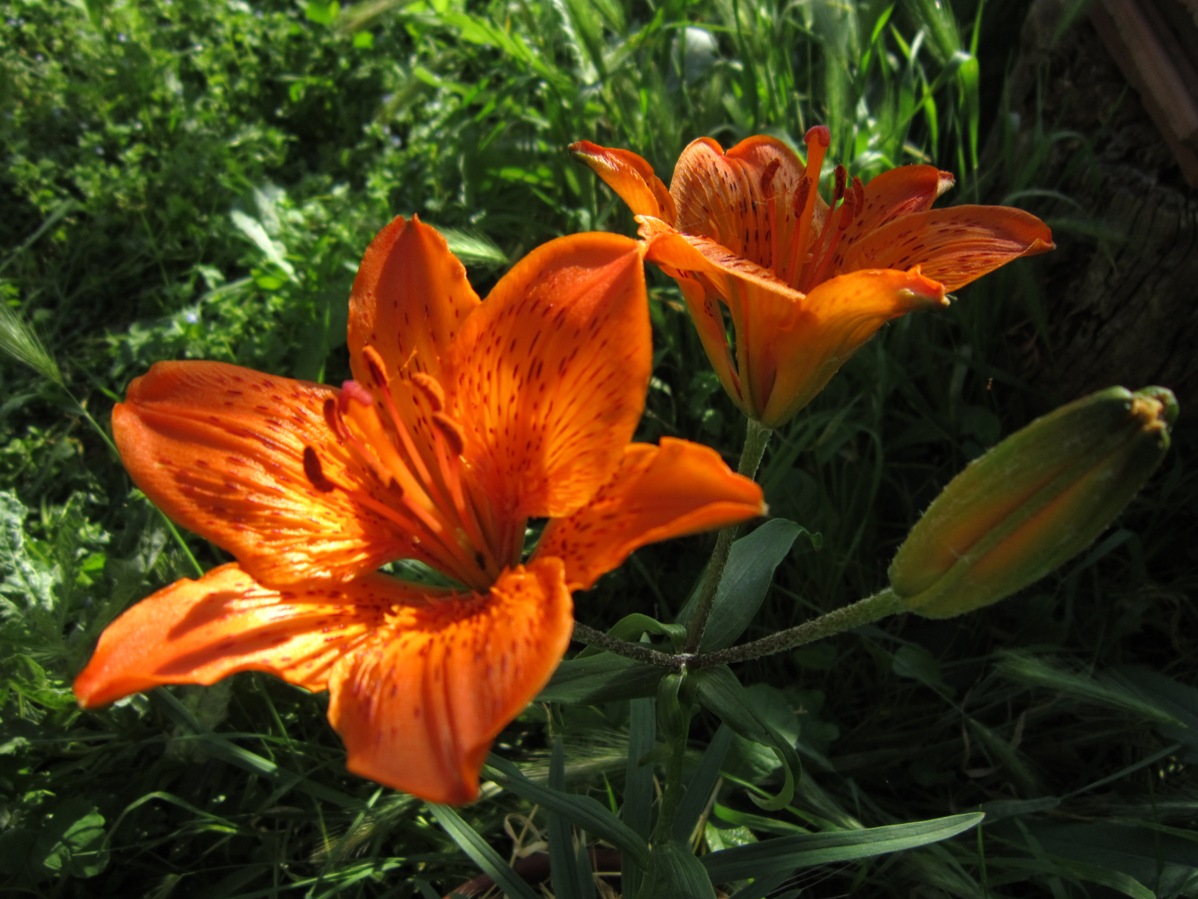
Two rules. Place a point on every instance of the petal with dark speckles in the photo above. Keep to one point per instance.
(419, 706)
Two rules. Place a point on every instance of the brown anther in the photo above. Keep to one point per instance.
(449, 429)
(374, 362)
(314, 472)
(842, 178)
(801, 194)
(430, 389)
(767, 177)
(332, 417)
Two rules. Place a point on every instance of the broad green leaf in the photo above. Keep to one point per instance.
(71, 841)
(675, 873)
(601, 678)
(806, 850)
(746, 581)
(722, 694)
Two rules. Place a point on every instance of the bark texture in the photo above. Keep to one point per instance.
(1123, 283)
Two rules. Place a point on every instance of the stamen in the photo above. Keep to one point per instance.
(842, 179)
(448, 428)
(430, 388)
(817, 139)
(378, 371)
(767, 177)
(314, 472)
(332, 417)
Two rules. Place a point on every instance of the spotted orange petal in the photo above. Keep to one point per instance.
(830, 324)
(760, 306)
(659, 492)
(197, 632)
(408, 301)
(907, 190)
(630, 176)
(419, 706)
(953, 246)
(249, 462)
(551, 373)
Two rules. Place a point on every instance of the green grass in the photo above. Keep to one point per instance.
(187, 180)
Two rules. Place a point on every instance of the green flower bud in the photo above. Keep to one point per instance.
(1034, 501)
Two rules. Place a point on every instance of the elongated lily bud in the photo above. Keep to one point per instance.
(1034, 501)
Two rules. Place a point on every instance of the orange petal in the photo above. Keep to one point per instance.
(197, 632)
(659, 492)
(953, 246)
(408, 301)
(895, 193)
(551, 373)
(831, 323)
(760, 305)
(630, 176)
(419, 705)
(248, 461)
(721, 199)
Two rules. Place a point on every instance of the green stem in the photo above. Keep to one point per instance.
(757, 436)
(592, 637)
(864, 611)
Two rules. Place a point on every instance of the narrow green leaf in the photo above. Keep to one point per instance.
(638, 785)
(469, 841)
(700, 785)
(565, 873)
(807, 850)
(582, 811)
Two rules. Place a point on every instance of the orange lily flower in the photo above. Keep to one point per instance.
(464, 420)
(805, 282)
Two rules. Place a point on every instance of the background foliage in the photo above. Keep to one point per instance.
(189, 180)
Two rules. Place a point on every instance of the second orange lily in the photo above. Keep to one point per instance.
(465, 419)
(805, 282)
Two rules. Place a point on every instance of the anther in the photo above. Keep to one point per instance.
(842, 178)
(767, 177)
(430, 388)
(374, 362)
(800, 197)
(450, 431)
(314, 472)
(333, 419)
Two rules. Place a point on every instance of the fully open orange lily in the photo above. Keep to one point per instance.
(805, 282)
(464, 420)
